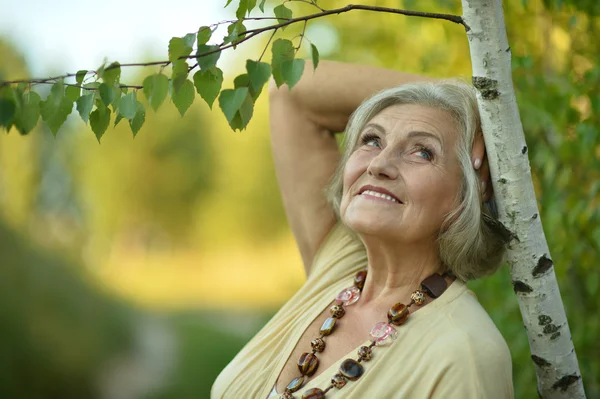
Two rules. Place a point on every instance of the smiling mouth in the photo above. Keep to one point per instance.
(376, 194)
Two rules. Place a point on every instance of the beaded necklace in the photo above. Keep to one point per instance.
(383, 333)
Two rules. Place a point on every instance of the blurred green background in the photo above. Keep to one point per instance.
(138, 268)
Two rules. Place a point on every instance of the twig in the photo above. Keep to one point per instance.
(265, 49)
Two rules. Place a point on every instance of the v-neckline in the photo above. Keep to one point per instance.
(316, 381)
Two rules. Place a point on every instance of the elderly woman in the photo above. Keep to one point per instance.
(388, 231)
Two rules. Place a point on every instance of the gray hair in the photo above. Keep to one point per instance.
(471, 241)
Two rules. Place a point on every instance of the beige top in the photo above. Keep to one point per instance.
(448, 349)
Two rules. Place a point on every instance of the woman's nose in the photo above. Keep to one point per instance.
(383, 167)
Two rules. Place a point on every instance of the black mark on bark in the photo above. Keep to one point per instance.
(563, 383)
(544, 319)
(535, 216)
(520, 286)
(550, 328)
(502, 180)
(487, 87)
(524, 150)
(555, 335)
(544, 264)
(540, 361)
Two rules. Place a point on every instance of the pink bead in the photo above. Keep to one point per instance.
(383, 333)
(348, 295)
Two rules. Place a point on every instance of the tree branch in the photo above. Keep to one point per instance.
(254, 32)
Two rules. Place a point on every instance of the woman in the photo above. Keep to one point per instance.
(399, 230)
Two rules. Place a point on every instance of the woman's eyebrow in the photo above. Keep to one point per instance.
(418, 133)
(375, 126)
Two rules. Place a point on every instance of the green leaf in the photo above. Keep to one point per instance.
(8, 109)
(241, 10)
(72, 93)
(118, 119)
(208, 83)
(92, 85)
(210, 60)
(189, 40)
(99, 120)
(138, 120)
(244, 114)
(291, 71)
(228, 2)
(244, 81)
(112, 74)
(236, 32)
(179, 74)
(262, 6)
(80, 75)
(127, 106)
(230, 101)
(56, 108)
(184, 97)
(204, 34)
(28, 115)
(156, 88)
(258, 73)
(179, 48)
(315, 55)
(250, 6)
(85, 104)
(282, 13)
(108, 94)
(283, 50)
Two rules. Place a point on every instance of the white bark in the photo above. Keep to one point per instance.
(532, 270)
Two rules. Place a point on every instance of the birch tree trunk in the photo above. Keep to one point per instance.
(533, 277)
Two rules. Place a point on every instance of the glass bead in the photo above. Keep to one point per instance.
(338, 381)
(337, 311)
(308, 363)
(295, 384)
(313, 393)
(318, 344)
(398, 314)
(351, 369)
(360, 278)
(328, 326)
(383, 333)
(418, 297)
(365, 353)
(287, 395)
(348, 296)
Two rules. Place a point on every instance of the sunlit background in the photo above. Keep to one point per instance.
(137, 268)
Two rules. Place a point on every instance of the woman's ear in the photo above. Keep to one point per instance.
(480, 163)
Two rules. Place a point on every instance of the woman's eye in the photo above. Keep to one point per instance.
(424, 153)
(370, 140)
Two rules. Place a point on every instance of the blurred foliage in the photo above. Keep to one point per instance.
(186, 189)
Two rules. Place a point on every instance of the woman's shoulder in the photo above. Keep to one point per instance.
(341, 254)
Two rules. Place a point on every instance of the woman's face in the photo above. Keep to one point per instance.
(403, 177)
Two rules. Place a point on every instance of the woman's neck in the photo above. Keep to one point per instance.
(395, 271)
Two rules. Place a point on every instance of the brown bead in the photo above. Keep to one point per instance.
(435, 285)
(360, 278)
(308, 363)
(318, 344)
(313, 393)
(337, 311)
(398, 314)
(328, 326)
(351, 369)
(365, 353)
(287, 395)
(295, 384)
(418, 297)
(338, 381)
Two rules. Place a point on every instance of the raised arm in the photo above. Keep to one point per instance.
(303, 123)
